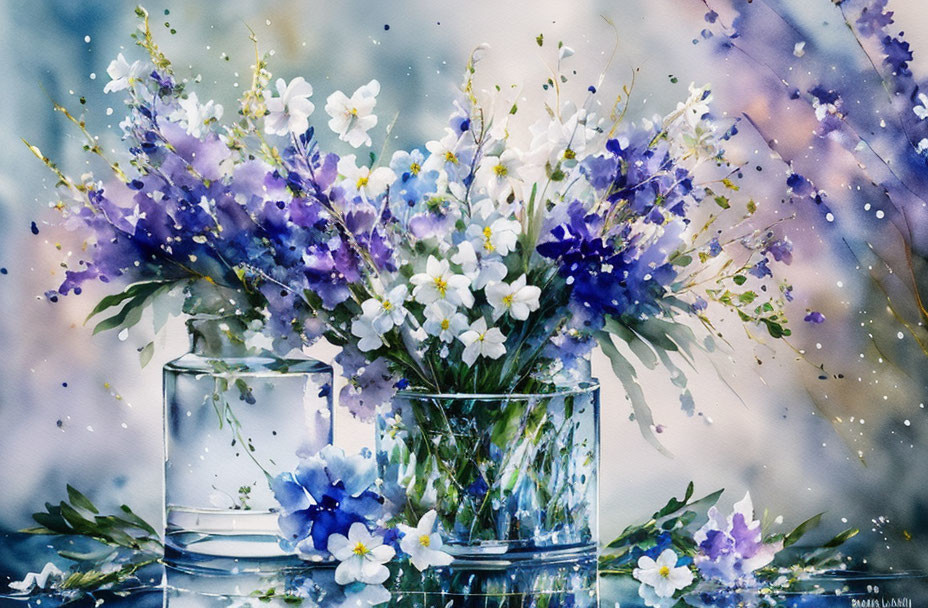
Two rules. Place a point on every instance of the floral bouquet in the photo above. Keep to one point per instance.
(489, 263)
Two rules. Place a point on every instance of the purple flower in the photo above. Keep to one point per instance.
(816, 318)
(873, 19)
(731, 549)
(780, 249)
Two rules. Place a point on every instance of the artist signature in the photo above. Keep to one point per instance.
(882, 602)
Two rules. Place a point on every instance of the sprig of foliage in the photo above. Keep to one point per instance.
(79, 517)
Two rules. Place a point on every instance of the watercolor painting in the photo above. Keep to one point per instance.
(484, 304)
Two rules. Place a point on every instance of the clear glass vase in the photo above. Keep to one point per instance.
(234, 417)
(512, 477)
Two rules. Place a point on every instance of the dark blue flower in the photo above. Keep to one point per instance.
(897, 55)
(328, 493)
(760, 269)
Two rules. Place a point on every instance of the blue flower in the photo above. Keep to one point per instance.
(413, 182)
(898, 55)
(329, 492)
(760, 269)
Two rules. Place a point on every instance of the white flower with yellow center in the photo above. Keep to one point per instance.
(494, 234)
(663, 574)
(482, 342)
(499, 173)
(289, 112)
(423, 544)
(123, 74)
(353, 117)
(439, 283)
(444, 321)
(481, 271)
(445, 153)
(362, 556)
(368, 183)
(516, 298)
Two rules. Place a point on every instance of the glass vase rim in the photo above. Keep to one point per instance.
(586, 386)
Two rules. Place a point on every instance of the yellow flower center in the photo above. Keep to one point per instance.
(487, 233)
(362, 181)
(415, 168)
(664, 571)
(570, 154)
(387, 305)
(507, 300)
(451, 157)
(500, 170)
(441, 285)
(445, 324)
(425, 540)
(360, 550)
(481, 337)
(353, 111)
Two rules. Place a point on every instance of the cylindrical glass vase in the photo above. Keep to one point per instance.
(234, 418)
(512, 477)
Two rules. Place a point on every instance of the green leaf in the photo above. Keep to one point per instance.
(722, 202)
(625, 372)
(138, 521)
(540, 39)
(802, 529)
(79, 500)
(132, 291)
(90, 556)
(739, 279)
(52, 520)
(841, 538)
(146, 353)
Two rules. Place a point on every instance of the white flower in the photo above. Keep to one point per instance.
(387, 312)
(922, 146)
(45, 579)
(481, 271)
(649, 596)
(449, 153)
(368, 183)
(195, 117)
(363, 327)
(362, 556)
(365, 596)
(289, 112)
(439, 283)
(663, 573)
(481, 342)
(921, 110)
(490, 232)
(122, 74)
(443, 320)
(517, 298)
(353, 117)
(554, 140)
(500, 172)
(423, 544)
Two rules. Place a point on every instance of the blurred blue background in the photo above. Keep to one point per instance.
(76, 408)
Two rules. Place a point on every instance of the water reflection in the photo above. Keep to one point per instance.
(571, 584)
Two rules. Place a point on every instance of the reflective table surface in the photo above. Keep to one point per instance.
(568, 584)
